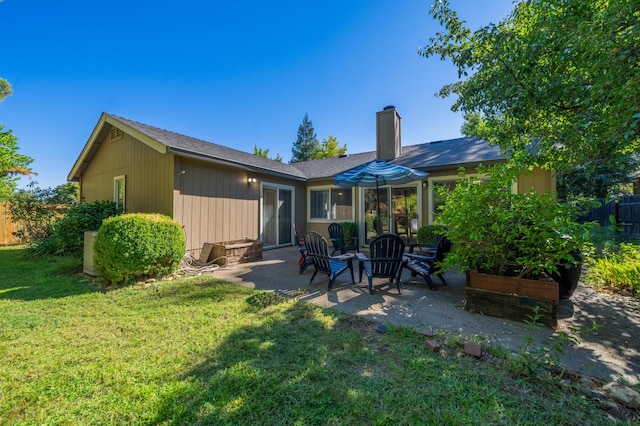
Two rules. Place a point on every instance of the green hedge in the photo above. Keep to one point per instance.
(137, 246)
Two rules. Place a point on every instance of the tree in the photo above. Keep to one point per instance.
(264, 153)
(328, 149)
(307, 142)
(11, 163)
(555, 83)
(5, 88)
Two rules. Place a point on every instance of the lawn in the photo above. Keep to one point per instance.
(203, 351)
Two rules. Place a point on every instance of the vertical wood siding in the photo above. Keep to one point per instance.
(149, 176)
(215, 203)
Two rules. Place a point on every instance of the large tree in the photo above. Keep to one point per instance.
(556, 83)
(329, 148)
(307, 142)
(12, 164)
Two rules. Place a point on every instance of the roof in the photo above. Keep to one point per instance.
(427, 156)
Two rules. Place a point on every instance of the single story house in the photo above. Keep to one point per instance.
(222, 194)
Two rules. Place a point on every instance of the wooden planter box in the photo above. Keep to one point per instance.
(238, 251)
(512, 298)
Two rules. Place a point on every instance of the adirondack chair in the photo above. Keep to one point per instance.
(425, 263)
(333, 266)
(304, 260)
(336, 234)
(385, 260)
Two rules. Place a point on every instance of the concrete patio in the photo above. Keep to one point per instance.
(611, 355)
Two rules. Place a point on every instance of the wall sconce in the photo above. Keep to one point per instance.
(424, 183)
(251, 180)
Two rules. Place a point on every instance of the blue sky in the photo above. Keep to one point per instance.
(238, 73)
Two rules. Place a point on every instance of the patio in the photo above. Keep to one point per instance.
(608, 356)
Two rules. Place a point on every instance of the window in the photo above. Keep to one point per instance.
(118, 191)
(331, 204)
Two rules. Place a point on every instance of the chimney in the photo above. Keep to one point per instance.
(388, 134)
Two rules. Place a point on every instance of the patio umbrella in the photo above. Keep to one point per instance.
(376, 173)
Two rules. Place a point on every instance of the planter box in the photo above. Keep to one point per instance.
(238, 251)
(512, 298)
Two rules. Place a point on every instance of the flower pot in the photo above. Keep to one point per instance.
(568, 276)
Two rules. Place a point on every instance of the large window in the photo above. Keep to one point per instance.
(331, 204)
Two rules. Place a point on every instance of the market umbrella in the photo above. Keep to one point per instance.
(376, 173)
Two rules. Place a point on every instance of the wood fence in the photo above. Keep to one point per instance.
(7, 227)
(626, 212)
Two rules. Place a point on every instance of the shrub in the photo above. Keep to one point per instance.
(620, 269)
(69, 231)
(138, 246)
(428, 233)
(350, 230)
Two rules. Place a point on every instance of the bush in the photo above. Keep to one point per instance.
(350, 230)
(69, 231)
(428, 233)
(620, 269)
(138, 246)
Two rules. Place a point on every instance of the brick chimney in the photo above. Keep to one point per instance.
(388, 134)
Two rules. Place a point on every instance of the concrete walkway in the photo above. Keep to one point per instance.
(611, 355)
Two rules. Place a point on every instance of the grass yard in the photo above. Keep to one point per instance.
(202, 351)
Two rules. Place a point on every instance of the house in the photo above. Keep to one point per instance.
(223, 194)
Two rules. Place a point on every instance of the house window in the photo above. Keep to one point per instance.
(119, 191)
(331, 204)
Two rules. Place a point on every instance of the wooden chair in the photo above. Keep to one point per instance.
(385, 259)
(336, 235)
(304, 260)
(426, 262)
(318, 251)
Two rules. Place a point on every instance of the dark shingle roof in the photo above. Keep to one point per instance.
(427, 156)
(180, 144)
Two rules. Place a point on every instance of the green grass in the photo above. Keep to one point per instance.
(202, 351)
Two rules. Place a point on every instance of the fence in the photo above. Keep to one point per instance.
(7, 227)
(626, 212)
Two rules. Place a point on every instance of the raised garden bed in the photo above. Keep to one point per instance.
(237, 251)
(511, 297)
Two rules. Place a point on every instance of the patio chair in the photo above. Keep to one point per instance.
(336, 234)
(385, 260)
(426, 262)
(304, 260)
(318, 251)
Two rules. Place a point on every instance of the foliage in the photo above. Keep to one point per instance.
(203, 351)
(5, 89)
(137, 246)
(264, 153)
(531, 358)
(619, 269)
(428, 233)
(307, 142)
(562, 73)
(350, 230)
(12, 163)
(69, 231)
(497, 231)
(36, 210)
(329, 148)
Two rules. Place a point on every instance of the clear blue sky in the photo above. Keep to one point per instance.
(238, 73)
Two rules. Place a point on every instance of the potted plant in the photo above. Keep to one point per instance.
(497, 232)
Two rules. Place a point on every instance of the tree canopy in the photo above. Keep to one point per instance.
(264, 153)
(307, 142)
(11, 163)
(555, 83)
(329, 148)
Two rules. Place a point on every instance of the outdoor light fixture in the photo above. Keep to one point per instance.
(251, 180)
(424, 183)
